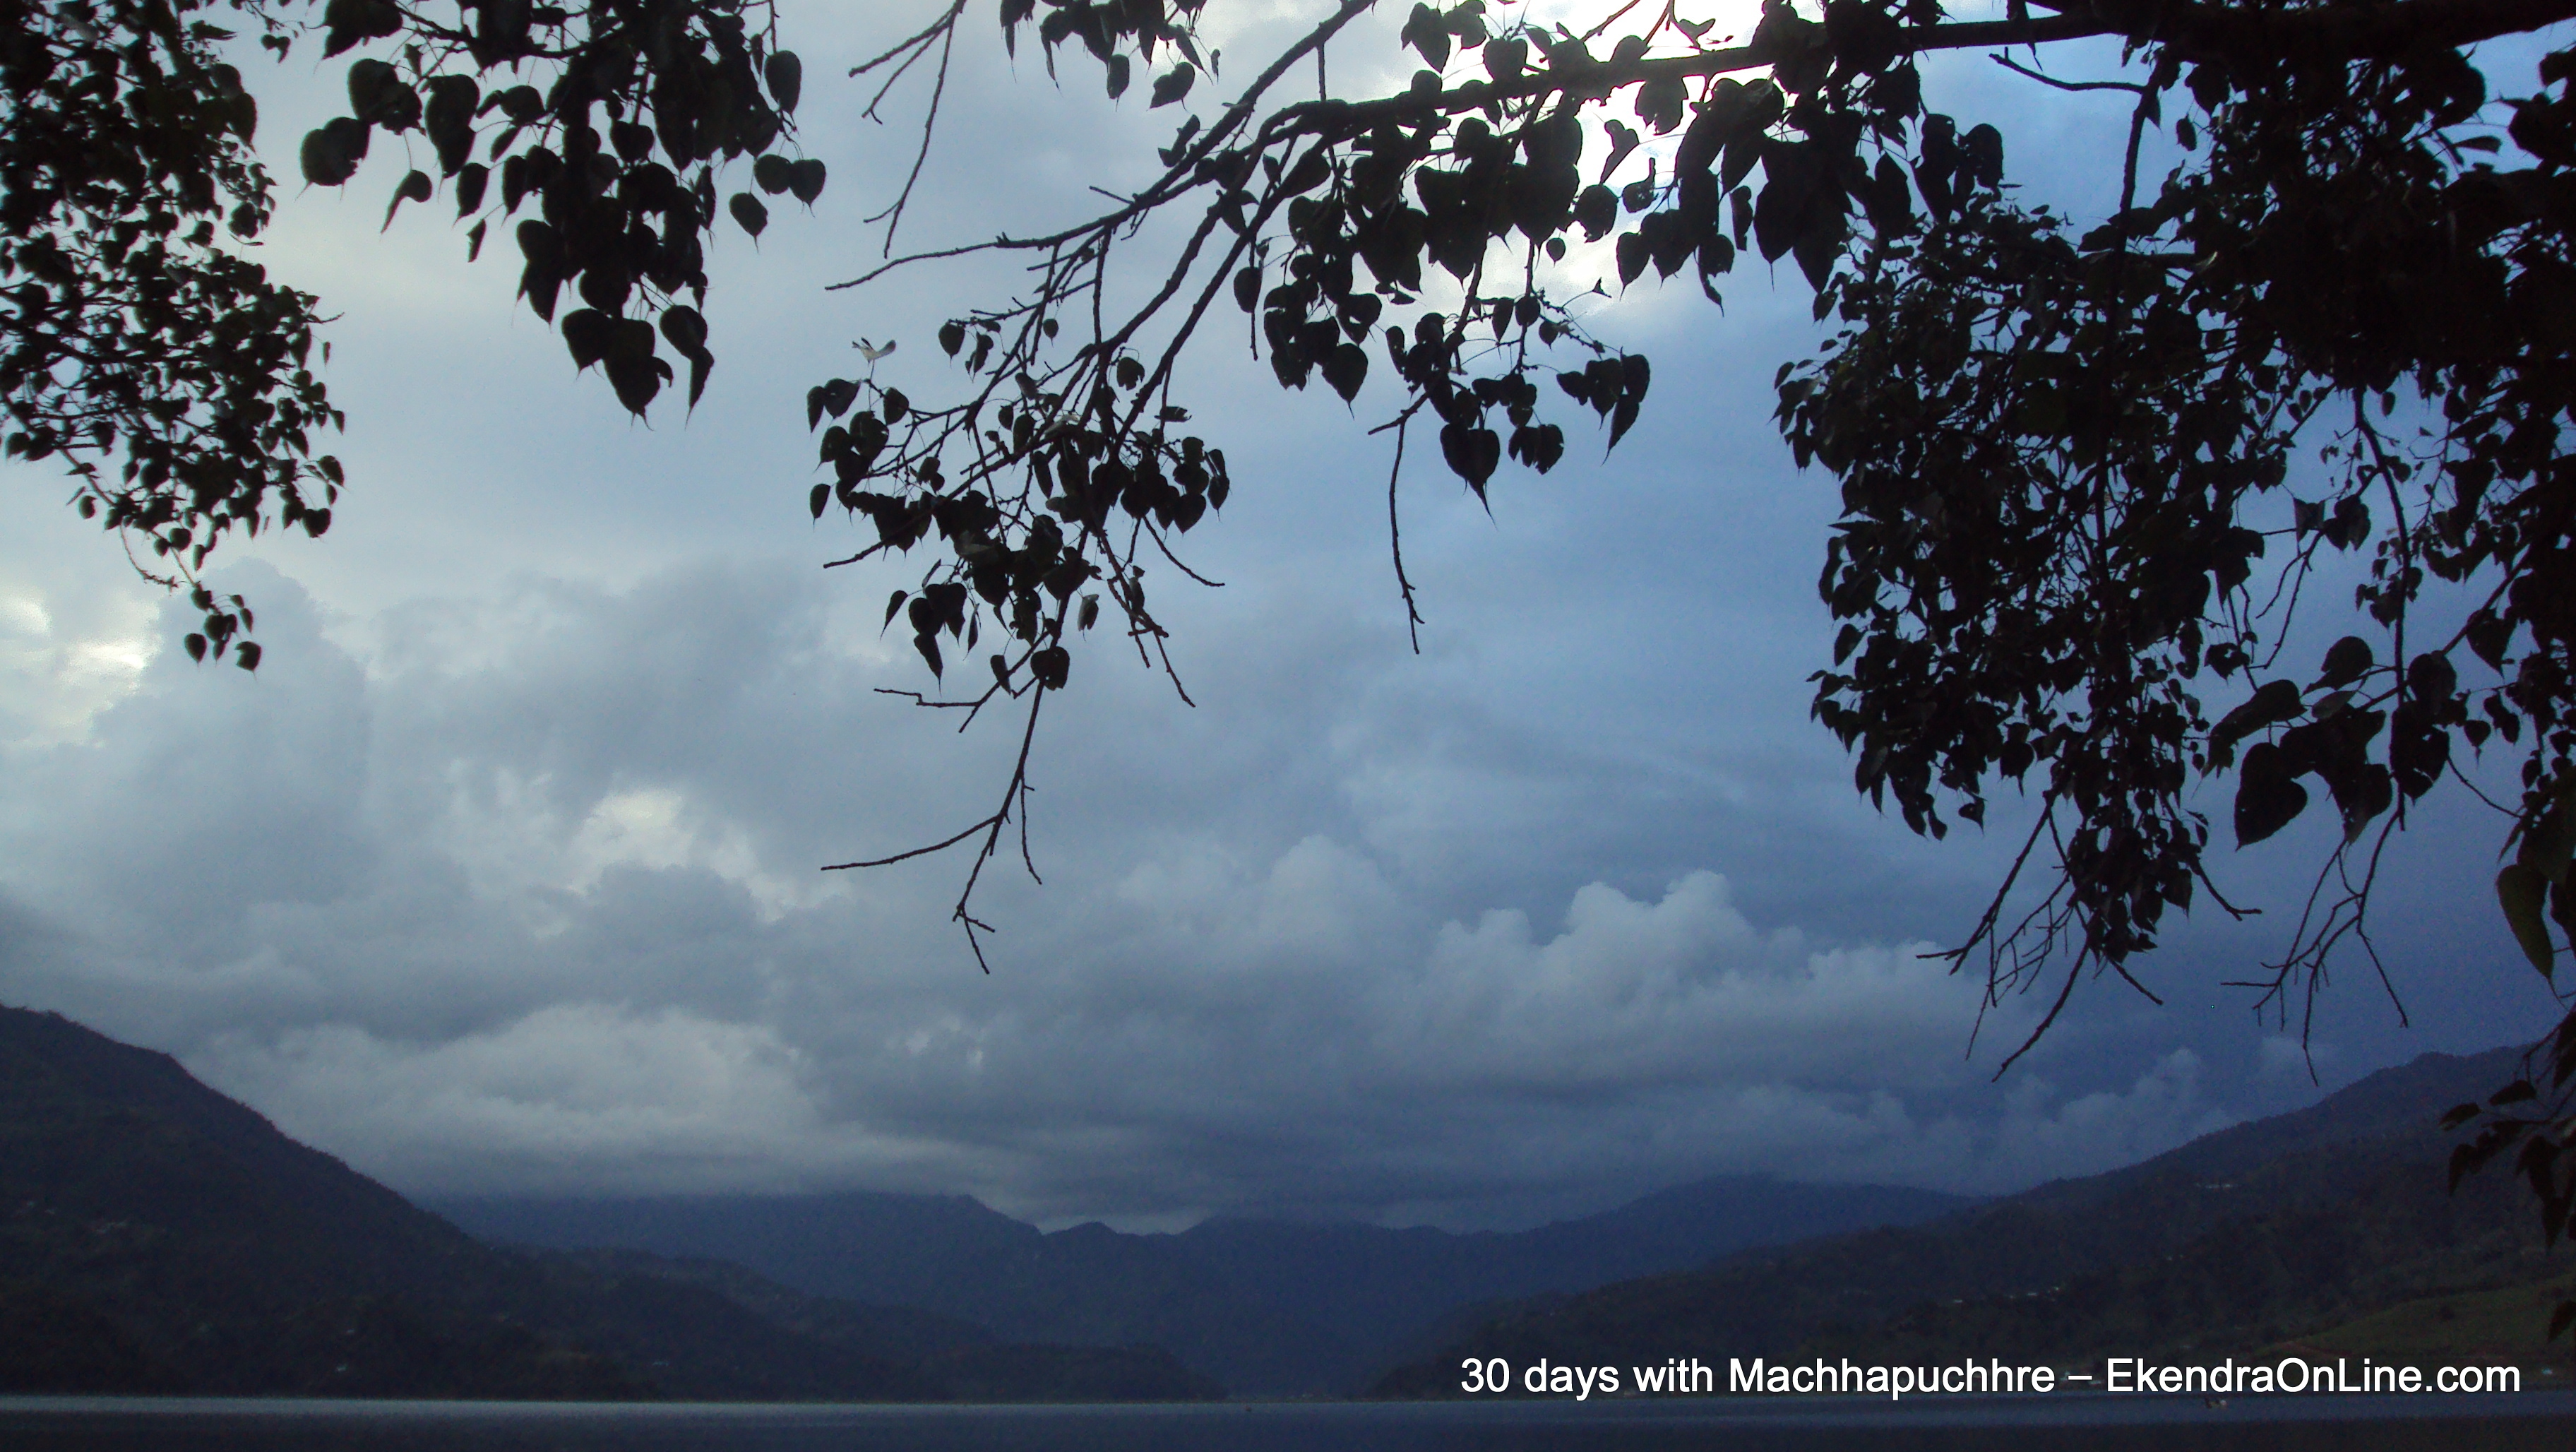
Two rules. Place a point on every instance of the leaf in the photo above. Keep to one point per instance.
(332, 151)
(2418, 750)
(449, 119)
(749, 213)
(1424, 32)
(1890, 200)
(2549, 840)
(769, 173)
(352, 22)
(522, 104)
(246, 655)
(686, 328)
(1981, 153)
(1622, 141)
(636, 380)
(2469, 1158)
(1311, 171)
(196, 645)
(1119, 73)
(587, 332)
(1051, 666)
(634, 142)
(786, 76)
(1345, 368)
(867, 439)
(805, 179)
(1635, 375)
(2270, 705)
(893, 604)
(2361, 794)
(543, 275)
(1471, 452)
(1540, 446)
(2490, 636)
(822, 495)
(1659, 102)
(2347, 660)
(928, 644)
(2521, 891)
(1633, 255)
(1172, 85)
(2432, 678)
(2267, 798)
(415, 187)
(379, 97)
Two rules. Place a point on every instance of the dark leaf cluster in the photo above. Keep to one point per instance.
(2078, 512)
(127, 180)
(614, 121)
(2071, 512)
(169, 374)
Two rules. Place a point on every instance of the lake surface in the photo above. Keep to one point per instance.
(2508, 1423)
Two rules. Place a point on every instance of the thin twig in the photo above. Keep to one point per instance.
(1395, 532)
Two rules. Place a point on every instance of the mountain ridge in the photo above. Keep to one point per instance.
(1273, 1307)
(2362, 1163)
(157, 1236)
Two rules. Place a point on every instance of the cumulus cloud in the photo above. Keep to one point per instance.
(578, 1097)
(524, 899)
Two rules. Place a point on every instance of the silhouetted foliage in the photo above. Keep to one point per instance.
(2065, 451)
(130, 186)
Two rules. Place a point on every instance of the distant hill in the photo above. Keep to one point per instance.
(1084, 1286)
(2232, 1242)
(1390, 1287)
(1263, 1306)
(156, 1236)
(2506, 1326)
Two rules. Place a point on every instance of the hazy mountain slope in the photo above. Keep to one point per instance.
(2506, 1326)
(156, 1236)
(1386, 1287)
(1085, 1286)
(1263, 1306)
(112, 1159)
(2296, 1216)
(888, 1332)
(157, 1215)
(2251, 1282)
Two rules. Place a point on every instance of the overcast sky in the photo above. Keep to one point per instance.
(501, 874)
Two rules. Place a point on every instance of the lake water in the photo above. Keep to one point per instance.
(2508, 1423)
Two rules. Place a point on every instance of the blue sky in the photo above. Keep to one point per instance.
(501, 874)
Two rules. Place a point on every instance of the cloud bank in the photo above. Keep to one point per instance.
(527, 901)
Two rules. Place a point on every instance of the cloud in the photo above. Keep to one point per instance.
(2089, 1133)
(574, 1098)
(525, 898)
